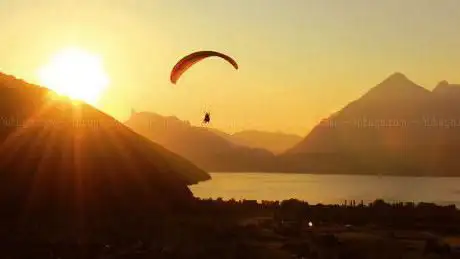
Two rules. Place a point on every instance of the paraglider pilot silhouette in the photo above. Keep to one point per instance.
(186, 62)
(207, 118)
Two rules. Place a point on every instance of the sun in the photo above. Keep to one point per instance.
(75, 73)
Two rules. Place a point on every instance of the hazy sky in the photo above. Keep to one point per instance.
(299, 60)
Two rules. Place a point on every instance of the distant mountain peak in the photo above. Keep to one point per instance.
(397, 78)
(444, 87)
(397, 85)
(442, 83)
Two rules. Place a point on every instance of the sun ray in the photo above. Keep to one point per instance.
(48, 135)
(127, 157)
(13, 140)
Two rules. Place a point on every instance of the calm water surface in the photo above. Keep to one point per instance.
(329, 189)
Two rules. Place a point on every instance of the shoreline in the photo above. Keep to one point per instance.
(334, 174)
(347, 203)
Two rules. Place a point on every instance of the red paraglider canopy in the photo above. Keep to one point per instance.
(189, 60)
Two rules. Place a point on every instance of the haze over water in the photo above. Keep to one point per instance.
(329, 189)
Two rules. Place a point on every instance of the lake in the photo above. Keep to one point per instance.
(328, 189)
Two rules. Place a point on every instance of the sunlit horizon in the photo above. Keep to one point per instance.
(299, 60)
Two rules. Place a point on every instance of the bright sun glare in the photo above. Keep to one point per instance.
(75, 73)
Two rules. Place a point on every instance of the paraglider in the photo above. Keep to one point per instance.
(186, 62)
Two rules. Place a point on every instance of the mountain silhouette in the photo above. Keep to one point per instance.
(397, 127)
(275, 142)
(205, 148)
(446, 90)
(61, 159)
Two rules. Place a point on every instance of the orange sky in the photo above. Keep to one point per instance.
(299, 60)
